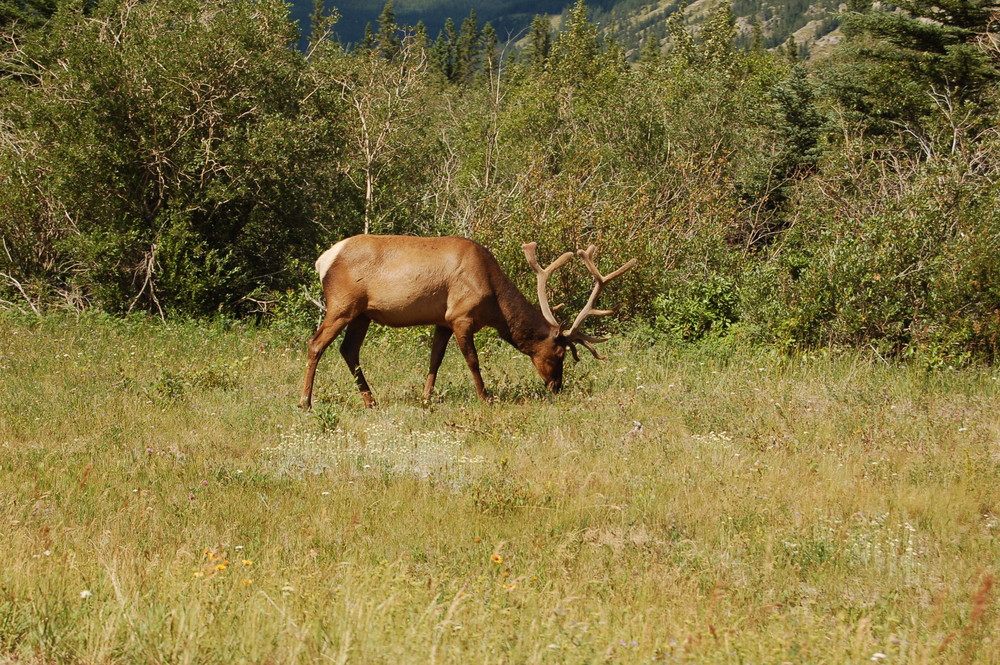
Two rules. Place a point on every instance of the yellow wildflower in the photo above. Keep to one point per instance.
(247, 582)
(247, 562)
(496, 558)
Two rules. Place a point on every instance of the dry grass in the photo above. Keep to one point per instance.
(162, 500)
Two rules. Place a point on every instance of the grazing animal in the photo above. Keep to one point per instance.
(453, 284)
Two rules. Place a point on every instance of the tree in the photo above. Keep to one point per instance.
(383, 96)
(576, 49)
(162, 154)
(893, 61)
(682, 51)
(420, 38)
(444, 53)
(29, 13)
(387, 40)
(718, 35)
(539, 42)
(757, 41)
(466, 50)
(791, 49)
(368, 42)
(322, 22)
(488, 43)
(438, 57)
(650, 53)
(800, 131)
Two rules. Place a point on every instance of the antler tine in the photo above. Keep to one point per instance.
(542, 275)
(588, 258)
(588, 342)
(600, 281)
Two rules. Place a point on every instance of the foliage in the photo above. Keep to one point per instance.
(900, 262)
(183, 158)
(895, 57)
(164, 146)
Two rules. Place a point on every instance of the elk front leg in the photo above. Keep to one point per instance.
(328, 330)
(467, 345)
(350, 349)
(438, 346)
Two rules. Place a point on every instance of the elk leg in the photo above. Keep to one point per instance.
(438, 346)
(350, 348)
(327, 332)
(466, 343)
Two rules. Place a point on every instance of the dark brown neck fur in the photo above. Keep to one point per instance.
(522, 324)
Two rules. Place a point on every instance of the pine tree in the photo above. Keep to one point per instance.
(420, 40)
(757, 43)
(650, 53)
(27, 13)
(801, 130)
(439, 60)
(488, 43)
(539, 42)
(387, 40)
(466, 52)
(792, 49)
(368, 41)
(322, 22)
(449, 44)
(894, 59)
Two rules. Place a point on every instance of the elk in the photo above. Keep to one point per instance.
(453, 284)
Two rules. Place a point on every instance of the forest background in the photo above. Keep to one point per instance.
(188, 158)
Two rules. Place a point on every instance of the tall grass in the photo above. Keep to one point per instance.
(162, 500)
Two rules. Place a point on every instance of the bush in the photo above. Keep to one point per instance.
(909, 270)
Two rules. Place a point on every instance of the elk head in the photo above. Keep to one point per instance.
(550, 352)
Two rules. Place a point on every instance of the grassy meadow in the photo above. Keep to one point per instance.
(163, 500)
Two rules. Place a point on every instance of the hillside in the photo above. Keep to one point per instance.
(632, 21)
(808, 21)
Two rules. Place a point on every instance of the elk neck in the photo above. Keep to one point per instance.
(520, 323)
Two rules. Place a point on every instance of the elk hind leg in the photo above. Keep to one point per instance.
(350, 349)
(328, 330)
(441, 336)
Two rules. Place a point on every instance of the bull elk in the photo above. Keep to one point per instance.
(453, 284)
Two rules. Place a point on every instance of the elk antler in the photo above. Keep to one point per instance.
(543, 274)
(600, 281)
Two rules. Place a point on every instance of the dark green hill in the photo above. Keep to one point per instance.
(632, 21)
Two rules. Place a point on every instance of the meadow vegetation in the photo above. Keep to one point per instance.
(162, 500)
(790, 456)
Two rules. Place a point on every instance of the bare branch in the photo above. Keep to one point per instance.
(17, 285)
